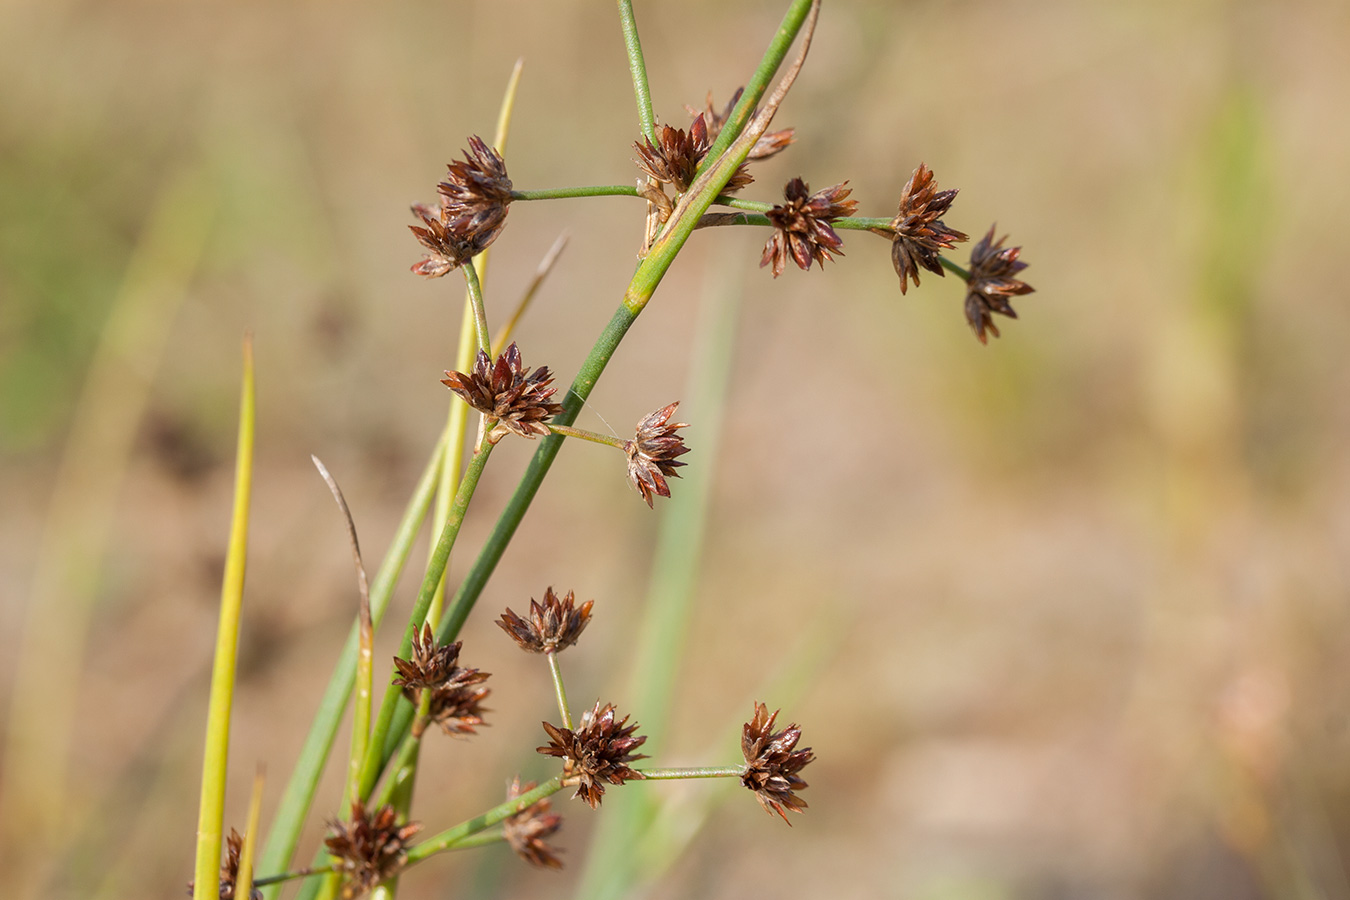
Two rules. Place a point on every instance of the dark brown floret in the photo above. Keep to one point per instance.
(453, 240)
(652, 456)
(771, 763)
(507, 393)
(526, 830)
(770, 144)
(370, 848)
(431, 665)
(476, 183)
(229, 869)
(992, 284)
(674, 159)
(457, 706)
(802, 226)
(596, 752)
(554, 625)
(918, 234)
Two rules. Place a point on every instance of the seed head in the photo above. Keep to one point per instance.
(771, 763)
(802, 226)
(674, 159)
(770, 144)
(525, 831)
(992, 284)
(512, 397)
(457, 707)
(918, 234)
(369, 848)
(652, 456)
(229, 869)
(453, 240)
(554, 625)
(431, 665)
(476, 183)
(597, 752)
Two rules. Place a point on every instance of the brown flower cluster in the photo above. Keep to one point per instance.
(229, 869)
(992, 284)
(918, 232)
(598, 751)
(772, 763)
(802, 228)
(653, 454)
(511, 396)
(526, 830)
(473, 203)
(554, 625)
(370, 848)
(674, 158)
(456, 698)
(770, 144)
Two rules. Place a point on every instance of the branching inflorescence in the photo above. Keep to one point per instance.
(682, 173)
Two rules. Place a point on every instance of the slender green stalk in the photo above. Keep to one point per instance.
(480, 326)
(638, 67)
(210, 818)
(600, 190)
(481, 839)
(563, 709)
(292, 876)
(376, 759)
(450, 838)
(954, 268)
(304, 781)
(592, 436)
(696, 772)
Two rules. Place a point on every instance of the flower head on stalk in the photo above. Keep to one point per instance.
(598, 751)
(229, 870)
(992, 284)
(554, 625)
(675, 157)
(472, 211)
(370, 848)
(525, 831)
(917, 232)
(772, 763)
(509, 395)
(457, 706)
(476, 183)
(769, 144)
(802, 230)
(653, 454)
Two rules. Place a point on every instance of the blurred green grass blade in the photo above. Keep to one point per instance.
(299, 794)
(611, 866)
(215, 760)
(244, 886)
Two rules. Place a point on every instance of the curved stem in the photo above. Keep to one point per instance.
(451, 837)
(638, 67)
(480, 325)
(558, 689)
(598, 190)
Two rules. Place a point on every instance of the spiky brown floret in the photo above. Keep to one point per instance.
(507, 393)
(476, 183)
(457, 706)
(526, 830)
(452, 239)
(554, 625)
(802, 229)
(652, 456)
(596, 752)
(370, 848)
(771, 763)
(769, 144)
(992, 285)
(918, 234)
(229, 869)
(675, 156)
(431, 664)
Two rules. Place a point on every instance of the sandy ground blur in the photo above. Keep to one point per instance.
(1083, 591)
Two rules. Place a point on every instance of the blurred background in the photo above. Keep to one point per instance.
(1062, 617)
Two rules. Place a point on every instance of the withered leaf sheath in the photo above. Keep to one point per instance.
(770, 144)
(801, 226)
(772, 763)
(992, 284)
(918, 234)
(510, 395)
(652, 456)
(370, 848)
(554, 625)
(229, 869)
(526, 830)
(675, 156)
(598, 751)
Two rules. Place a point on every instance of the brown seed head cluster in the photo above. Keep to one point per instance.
(769, 144)
(526, 830)
(674, 159)
(507, 393)
(992, 284)
(474, 199)
(653, 455)
(456, 698)
(229, 869)
(554, 625)
(918, 232)
(369, 848)
(801, 225)
(458, 707)
(771, 763)
(597, 752)
(431, 664)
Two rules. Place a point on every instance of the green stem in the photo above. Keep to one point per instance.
(375, 759)
(598, 190)
(954, 268)
(451, 837)
(480, 325)
(559, 690)
(291, 876)
(481, 839)
(638, 67)
(697, 772)
(593, 437)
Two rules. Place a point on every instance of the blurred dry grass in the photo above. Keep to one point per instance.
(1093, 578)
